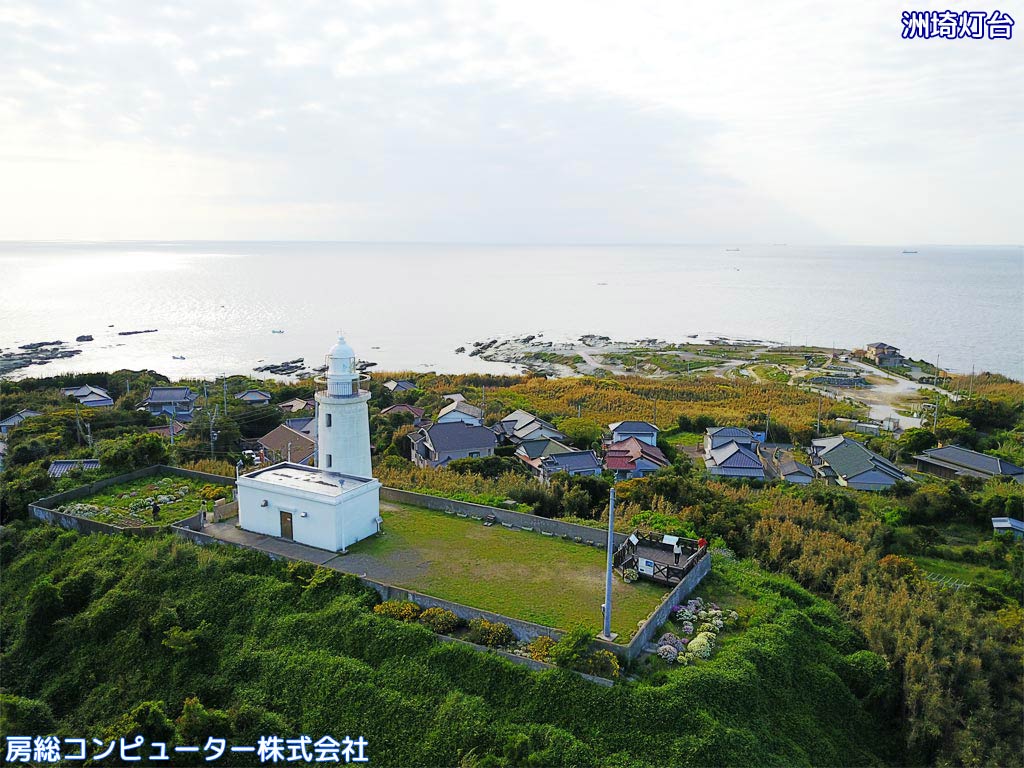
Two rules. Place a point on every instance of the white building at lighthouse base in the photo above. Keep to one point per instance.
(321, 509)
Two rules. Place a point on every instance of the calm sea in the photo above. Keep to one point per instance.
(410, 306)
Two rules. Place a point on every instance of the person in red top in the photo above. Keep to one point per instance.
(702, 542)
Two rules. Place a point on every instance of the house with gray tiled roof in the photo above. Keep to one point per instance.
(641, 430)
(846, 462)
(90, 396)
(12, 421)
(717, 437)
(571, 462)
(399, 385)
(521, 425)
(734, 460)
(254, 397)
(60, 467)
(176, 401)
(436, 445)
(460, 410)
(952, 461)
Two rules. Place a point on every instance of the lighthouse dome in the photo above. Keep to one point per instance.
(341, 350)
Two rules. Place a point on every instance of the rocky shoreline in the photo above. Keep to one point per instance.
(36, 353)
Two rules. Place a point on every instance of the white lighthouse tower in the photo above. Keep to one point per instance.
(338, 503)
(343, 419)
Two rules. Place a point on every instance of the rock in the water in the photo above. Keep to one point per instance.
(83, 337)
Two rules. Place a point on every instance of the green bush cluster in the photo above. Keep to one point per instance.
(440, 620)
(493, 634)
(401, 610)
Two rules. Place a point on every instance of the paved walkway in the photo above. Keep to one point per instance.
(367, 566)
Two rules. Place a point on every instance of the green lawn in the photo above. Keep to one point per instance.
(685, 438)
(130, 504)
(966, 572)
(521, 574)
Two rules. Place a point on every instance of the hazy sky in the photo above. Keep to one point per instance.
(513, 121)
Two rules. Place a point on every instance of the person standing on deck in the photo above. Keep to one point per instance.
(677, 550)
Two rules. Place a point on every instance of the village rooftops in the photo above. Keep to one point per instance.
(283, 442)
(60, 467)
(457, 436)
(413, 410)
(297, 404)
(253, 396)
(461, 407)
(86, 394)
(573, 462)
(308, 479)
(17, 418)
(399, 385)
(169, 395)
(633, 426)
(964, 462)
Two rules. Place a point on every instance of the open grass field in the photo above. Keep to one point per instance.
(130, 504)
(521, 574)
(970, 573)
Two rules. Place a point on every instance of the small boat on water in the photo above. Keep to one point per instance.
(731, 250)
(691, 336)
(177, 357)
(910, 251)
(276, 331)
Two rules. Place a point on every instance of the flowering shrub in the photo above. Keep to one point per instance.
(540, 648)
(668, 653)
(706, 627)
(492, 634)
(686, 628)
(402, 610)
(703, 645)
(676, 642)
(630, 575)
(440, 620)
(603, 664)
(80, 510)
(210, 492)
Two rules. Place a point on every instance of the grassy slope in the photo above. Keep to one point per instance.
(86, 618)
(521, 574)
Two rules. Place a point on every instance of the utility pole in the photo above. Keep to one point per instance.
(78, 425)
(225, 397)
(607, 634)
(213, 434)
(88, 434)
(289, 451)
(818, 427)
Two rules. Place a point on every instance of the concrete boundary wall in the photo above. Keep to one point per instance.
(679, 593)
(45, 509)
(521, 520)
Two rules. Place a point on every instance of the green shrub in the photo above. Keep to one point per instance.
(572, 650)
(440, 620)
(401, 610)
(493, 634)
(540, 648)
(603, 664)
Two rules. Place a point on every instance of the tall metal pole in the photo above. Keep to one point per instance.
(608, 574)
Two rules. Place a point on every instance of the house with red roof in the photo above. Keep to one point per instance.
(632, 457)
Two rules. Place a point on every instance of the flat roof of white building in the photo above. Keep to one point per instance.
(309, 479)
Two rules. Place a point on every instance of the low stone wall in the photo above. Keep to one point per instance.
(679, 593)
(81, 492)
(85, 525)
(224, 511)
(533, 664)
(597, 537)
(45, 509)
